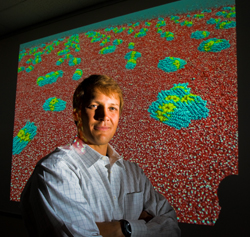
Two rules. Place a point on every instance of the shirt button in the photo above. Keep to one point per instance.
(114, 197)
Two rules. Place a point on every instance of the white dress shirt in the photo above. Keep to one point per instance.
(74, 187)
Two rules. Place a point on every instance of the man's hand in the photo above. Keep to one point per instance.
(145, 216)
(110, 229)
(113, 229)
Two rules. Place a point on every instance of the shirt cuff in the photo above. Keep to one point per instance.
(138, 228)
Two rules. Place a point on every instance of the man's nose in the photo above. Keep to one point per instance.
(101, 113)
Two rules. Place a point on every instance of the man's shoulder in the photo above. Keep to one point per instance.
(129, 165)
(60, 155)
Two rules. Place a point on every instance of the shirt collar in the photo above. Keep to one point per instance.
(91, 156)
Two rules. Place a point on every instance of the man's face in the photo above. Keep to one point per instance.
(99, 118)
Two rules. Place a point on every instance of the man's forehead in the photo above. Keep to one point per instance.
(109, 93)
(99, 92)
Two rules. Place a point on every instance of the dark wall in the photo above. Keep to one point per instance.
(234, 190)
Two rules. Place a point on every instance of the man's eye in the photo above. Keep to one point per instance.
(93, 106)
(113, 108)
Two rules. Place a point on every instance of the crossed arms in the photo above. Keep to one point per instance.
(56, 204)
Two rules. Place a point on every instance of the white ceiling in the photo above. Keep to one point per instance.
(19, 14)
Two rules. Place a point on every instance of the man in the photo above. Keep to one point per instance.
(86, 188)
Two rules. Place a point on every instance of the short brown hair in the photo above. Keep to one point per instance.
(86, 88)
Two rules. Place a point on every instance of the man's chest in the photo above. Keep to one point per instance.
(112, 192)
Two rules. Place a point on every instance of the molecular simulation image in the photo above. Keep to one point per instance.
(178, 74)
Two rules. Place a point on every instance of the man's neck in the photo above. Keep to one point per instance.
(102, 149)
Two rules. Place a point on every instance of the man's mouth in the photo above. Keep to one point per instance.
(101, 128)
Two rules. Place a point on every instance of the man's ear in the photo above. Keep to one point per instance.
(76, 115)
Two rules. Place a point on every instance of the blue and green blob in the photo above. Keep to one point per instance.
(168, 35)
(49, 78)
(116, 30)
(212, 21)
(130, 30)
(38, 54)
(24, 136)
(109, 29)
(200, 34)
(226, 14)
(54, 104)
(199, 16)
(226, 25)
(108, 49)
(231, 9)
(56, 42)
(214, 45)
(77, 75)
(141, 33)
(187, 23)
(91, 34)
(29, 61)
(131, 45)
(74, 61)
(132, 57)
(73, 42)
(105, 41)
(177, 107)
(48, 49)
(171, 64)
(68, 56)
(20, 69)
(60, 61)
(29, 68)
(21, 55)
(95, 39)
(63, 52)
(174, 18)
(37, 60)
(160, 23)
(33, 50)
(96, 36)
(117, 41)
(22, 51)
(159, 30)
(136, 24)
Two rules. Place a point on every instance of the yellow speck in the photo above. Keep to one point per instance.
(131, 60)
(172, 97)
(177, 64)
(187, 98)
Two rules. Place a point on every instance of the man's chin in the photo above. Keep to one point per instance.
(102, 140)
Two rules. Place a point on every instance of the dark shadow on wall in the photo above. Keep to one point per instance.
(234, 217)
(234, 199)
(12, 225)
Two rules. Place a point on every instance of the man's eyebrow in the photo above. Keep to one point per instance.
(114, 104)
(99, 102)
